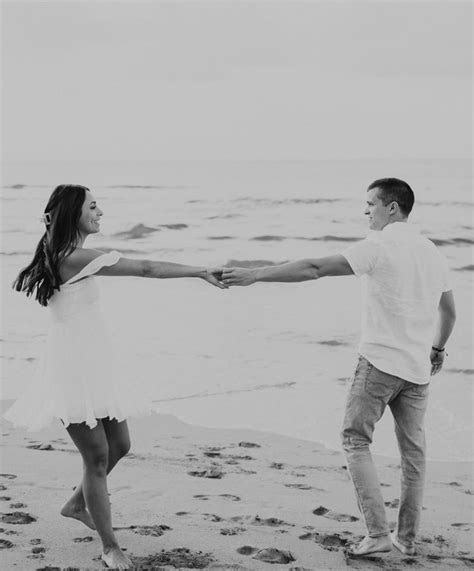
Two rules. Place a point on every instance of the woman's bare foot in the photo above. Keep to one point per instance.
(370, 545)
(77, 512)
(116, 558)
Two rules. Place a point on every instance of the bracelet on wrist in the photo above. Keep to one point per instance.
(439, 350)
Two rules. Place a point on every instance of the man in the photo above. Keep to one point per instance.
(405, 286)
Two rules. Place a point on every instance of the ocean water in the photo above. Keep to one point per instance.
(274, 357)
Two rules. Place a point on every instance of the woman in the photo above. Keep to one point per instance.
(78, 380)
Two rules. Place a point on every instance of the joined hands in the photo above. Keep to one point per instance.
(238, 276)
(214, 277)
(223, 278)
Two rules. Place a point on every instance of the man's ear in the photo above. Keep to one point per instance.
(394, 207)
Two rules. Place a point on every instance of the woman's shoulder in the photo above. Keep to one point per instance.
(76, 261)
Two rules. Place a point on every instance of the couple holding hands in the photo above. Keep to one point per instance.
(408, 316)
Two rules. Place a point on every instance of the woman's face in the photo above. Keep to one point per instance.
(89, 222)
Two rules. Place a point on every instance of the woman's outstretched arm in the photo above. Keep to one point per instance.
(81, 257)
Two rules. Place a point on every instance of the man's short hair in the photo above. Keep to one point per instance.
(395, 190)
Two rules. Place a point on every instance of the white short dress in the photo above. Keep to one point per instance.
(79, 378)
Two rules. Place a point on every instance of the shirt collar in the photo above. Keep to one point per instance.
(400, 227)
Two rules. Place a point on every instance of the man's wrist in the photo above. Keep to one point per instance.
(438, 349)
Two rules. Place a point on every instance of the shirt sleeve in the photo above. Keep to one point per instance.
(363, 256)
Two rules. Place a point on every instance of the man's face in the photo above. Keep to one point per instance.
(379, 215)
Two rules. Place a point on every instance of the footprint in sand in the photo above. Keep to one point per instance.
(38, 549)
(440, 541)
(225, 496)
(247, 550)
(179, 558)
(5, 498)
(236, 457)
(212, 451)
(18, 506)
(8, 476)
(330, 514)
(410, 561)
(8, 531)
(43, 446)
(230, 497)
(3, 488)
(277, 465)
(213, 517)
(86, 539)
(5, 544)
(463, 526)
(201, 497)
(267, 555)
(328, 541)
(152, 530)
(35, 541)
(257, 520)
(299, 486)
(213, 472)
(457, 486)
(232, 530)
(249, 445)
(17, 518)
(212, 454)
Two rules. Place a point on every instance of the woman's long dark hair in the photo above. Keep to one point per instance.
(62, 214)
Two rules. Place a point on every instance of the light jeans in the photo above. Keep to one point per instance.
(370, 392)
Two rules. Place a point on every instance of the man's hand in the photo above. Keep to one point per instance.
(437, 360)
(214, 277)
(238, 276)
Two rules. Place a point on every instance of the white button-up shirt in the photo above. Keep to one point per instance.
(403, 276)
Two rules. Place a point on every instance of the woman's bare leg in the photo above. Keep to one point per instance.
(118, 439)
(93, 445)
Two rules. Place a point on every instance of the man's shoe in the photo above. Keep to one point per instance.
(403, 548)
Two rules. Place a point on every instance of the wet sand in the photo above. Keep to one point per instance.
(192, 497)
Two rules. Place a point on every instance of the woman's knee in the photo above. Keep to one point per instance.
(96, 461)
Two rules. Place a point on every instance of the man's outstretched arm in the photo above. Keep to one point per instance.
(300, 271)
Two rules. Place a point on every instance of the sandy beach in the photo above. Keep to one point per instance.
(192, 497)
(224, 134)
(275, 360)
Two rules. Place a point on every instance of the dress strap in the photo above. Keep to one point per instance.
(95, 265)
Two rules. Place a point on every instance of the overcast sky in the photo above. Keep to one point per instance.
(236, 80)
